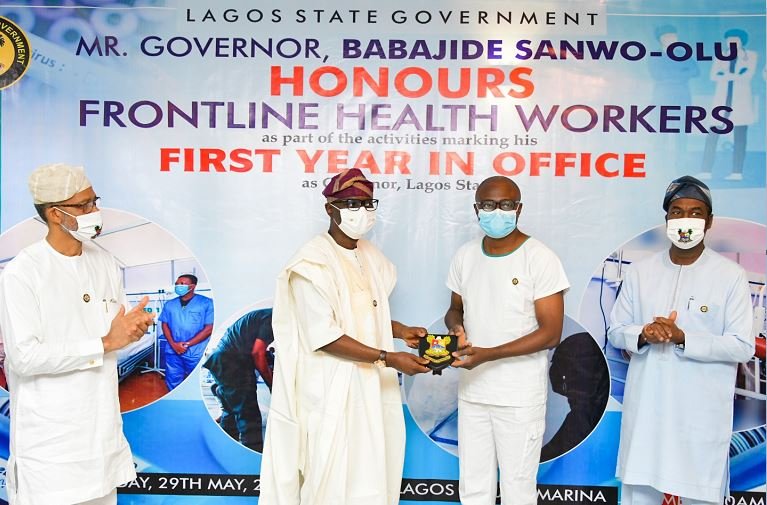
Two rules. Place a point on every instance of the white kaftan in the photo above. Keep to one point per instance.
(66, 442)
(335, 434)
(678, 403)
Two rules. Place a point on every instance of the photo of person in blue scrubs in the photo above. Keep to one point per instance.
(187, 322)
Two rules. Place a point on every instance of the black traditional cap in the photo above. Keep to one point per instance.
(687, 187)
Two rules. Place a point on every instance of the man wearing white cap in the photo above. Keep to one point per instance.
(62, 313)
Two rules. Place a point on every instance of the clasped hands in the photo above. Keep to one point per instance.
(662, 330)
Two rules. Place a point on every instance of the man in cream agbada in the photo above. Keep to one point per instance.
(336, 433)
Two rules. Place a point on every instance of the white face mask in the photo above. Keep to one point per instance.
(356, 223)
(687, 232)
(88, 225)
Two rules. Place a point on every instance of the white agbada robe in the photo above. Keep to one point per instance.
(336, 432)
(678, 403)
(66, 442)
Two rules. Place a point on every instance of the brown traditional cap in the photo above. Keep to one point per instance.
(350, 183)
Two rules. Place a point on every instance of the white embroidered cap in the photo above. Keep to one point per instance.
(57, 182)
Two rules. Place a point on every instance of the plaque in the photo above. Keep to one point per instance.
(438, 350)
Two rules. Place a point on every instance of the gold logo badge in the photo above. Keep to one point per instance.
(15, 53)
(86, 297)
(438, 349)
(703, 308)
(515, 281)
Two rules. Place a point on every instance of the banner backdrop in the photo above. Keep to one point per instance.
(210, 128)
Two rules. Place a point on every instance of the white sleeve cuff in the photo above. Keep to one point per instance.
(92, 352)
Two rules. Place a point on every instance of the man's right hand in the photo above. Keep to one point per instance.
(127, 327)
(407, 363)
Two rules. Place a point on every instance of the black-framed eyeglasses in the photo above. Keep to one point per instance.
(352, 204)
(491, 205)
(85, 207)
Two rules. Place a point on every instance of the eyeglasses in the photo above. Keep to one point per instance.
(491, 205)
(85, 207)
(351, 204)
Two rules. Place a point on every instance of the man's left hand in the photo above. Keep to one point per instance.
(470, 357)
(412, 335)
(459, 332)
(669, 324)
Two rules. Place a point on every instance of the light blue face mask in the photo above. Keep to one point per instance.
(181, 289)
(498, 223)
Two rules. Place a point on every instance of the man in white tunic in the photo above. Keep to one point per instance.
(62, 313)
(507, 309)
(336, 433)
(685, 316)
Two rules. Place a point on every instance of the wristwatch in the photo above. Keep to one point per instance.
(381, 361)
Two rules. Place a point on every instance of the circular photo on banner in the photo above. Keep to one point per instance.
(740, 241)
(156, 265)
(236, 375)
(579, 388)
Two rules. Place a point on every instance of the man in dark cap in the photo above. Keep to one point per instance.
(63, 314)
(336, 433)
(685, 315)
